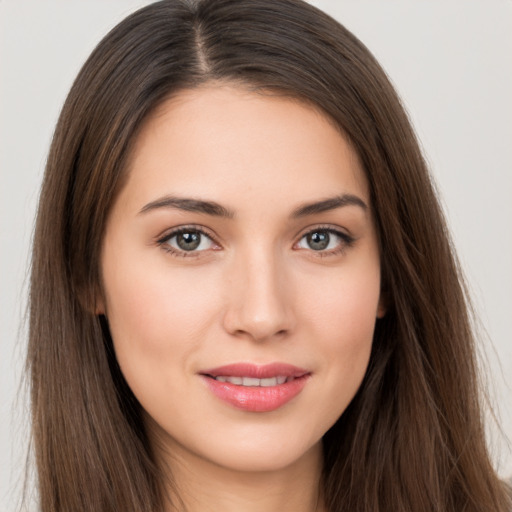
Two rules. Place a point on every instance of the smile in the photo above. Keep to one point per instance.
(254, 382)
(256, 388)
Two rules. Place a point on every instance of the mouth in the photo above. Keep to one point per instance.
(256, 388)
(253, 381)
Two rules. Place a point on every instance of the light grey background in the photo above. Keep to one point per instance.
(450, 61)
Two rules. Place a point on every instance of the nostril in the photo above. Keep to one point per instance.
(259, 310)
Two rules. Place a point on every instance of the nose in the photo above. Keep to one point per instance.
(260, 303)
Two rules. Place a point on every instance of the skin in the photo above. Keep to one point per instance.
(254, 290)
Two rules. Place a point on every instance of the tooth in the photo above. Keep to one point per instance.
(254, 382)
(250, 381)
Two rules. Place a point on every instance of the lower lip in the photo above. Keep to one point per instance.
(256, 398)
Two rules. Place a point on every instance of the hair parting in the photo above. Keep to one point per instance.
(412, 438)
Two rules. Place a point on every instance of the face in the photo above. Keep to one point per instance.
(241, 276)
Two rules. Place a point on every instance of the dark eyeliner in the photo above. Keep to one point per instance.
(162, 241)
(347, 240)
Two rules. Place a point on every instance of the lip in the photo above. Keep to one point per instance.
(256, 398)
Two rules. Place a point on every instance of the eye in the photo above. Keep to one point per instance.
(187, 240)
(325, 240)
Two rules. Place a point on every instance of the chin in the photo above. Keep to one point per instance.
(272, 456)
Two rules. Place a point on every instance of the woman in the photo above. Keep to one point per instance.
(243, 292)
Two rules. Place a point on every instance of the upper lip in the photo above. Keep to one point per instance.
(256, 371)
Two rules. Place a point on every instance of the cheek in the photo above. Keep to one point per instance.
(344, 306)
(342, 318)
(156, 318)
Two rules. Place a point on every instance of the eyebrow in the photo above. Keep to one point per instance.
(329, 204)
(217, 210)
(189, 205)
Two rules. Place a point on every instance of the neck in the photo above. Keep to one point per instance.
(200, 486)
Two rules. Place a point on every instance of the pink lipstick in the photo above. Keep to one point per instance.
(256, 388)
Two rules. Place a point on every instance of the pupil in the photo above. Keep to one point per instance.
(318, 240)
(188, 241)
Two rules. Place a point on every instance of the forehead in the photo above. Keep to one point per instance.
(230, 141)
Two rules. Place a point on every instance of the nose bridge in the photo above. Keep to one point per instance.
(259, 304)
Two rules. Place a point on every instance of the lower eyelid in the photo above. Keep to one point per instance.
(344, 238)
(345, 241)
(163, 241)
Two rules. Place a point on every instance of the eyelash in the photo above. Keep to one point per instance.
(346, 241)
(164, 241)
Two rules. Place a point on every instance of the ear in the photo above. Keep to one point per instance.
(99, 307)
(93, 300)
(382, 305)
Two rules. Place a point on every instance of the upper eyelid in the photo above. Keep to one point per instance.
(171, 232)
(163, 241)
(346, 241)
(324, 227)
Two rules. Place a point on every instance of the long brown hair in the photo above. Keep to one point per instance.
(412, 439)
